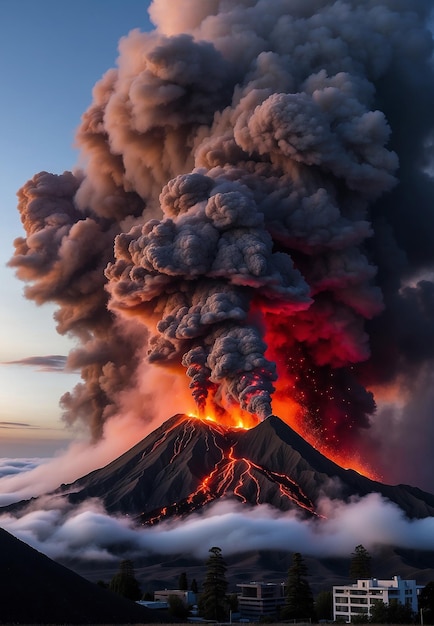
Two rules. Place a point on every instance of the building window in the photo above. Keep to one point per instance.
(359, 601)
(358, 592)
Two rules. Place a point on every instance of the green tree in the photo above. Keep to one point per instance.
(124, 582)
(233, 602)
(299, 599)
(379, 612)
(183, 582)
(194, 588)
(426, 603)
(393, 613)
(399, 613)
(212, 602)
(360, 564)
(102, 583)
(177, 608)
(324, 605)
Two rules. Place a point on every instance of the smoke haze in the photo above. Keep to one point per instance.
(252, 227)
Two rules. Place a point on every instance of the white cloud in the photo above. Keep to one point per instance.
(59, 529)
(12, 467)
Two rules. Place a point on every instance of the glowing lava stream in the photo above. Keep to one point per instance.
(230, 476)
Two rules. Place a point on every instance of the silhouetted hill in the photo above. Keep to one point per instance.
(37, 590)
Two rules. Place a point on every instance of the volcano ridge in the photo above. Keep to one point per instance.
(187, 463)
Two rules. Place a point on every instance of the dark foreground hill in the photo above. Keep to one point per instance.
(36, 590)
(187, 463)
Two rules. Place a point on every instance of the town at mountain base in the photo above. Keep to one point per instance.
(162, 571)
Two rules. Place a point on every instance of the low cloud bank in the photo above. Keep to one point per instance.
(33, 477)
(14, 467)
(60, 530)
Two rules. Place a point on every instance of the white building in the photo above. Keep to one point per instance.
(355, 600)
(259, 599)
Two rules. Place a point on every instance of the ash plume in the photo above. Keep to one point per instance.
(254, 214)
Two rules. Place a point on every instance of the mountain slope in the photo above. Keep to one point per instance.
(274, 443)
(187, 463)
(37, 590)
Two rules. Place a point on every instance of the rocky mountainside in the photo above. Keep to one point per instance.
(187, 463)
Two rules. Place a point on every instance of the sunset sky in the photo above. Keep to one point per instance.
(52, 53)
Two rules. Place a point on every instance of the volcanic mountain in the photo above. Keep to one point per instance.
(188, 463)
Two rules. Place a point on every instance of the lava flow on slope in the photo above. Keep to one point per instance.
(188, 463)
(232, 475)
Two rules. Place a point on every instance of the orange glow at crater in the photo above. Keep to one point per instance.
(234, 417)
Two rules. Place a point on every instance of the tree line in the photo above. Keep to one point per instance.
(214, 602)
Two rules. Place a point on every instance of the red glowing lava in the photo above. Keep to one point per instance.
(231, 474)
(292, 414)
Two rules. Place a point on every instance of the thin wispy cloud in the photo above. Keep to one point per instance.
(15, 425)
(48, 363)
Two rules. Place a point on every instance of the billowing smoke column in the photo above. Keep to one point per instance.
(255, 212)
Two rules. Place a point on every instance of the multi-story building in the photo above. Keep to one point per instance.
(256, 600)
(357, 599)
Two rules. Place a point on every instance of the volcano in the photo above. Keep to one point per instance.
(188, 463)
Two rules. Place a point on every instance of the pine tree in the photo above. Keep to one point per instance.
(212, 602)
(124, 582)
(360, 565)
(324, 605)
(183, 582)
(299, 599)
(426, 603)
(194, 588)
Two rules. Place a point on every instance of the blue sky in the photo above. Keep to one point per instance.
(51, 55)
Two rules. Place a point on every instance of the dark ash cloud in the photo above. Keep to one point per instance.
(254, 217)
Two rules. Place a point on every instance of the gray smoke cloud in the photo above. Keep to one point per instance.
(254, 215)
